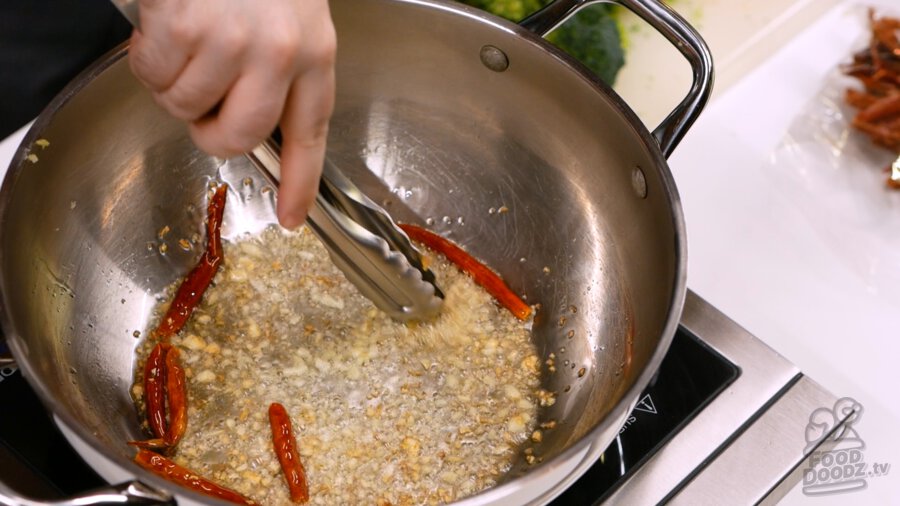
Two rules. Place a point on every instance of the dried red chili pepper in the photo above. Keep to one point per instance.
(197, 281)
(878, 70)
(164, 381)
(165, 387)
(286, 449)
(171, 471)
(154, 389)
(176, 395)
(482, 275)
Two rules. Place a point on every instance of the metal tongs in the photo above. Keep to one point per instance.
(363, 241)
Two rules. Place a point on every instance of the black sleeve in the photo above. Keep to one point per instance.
(43, 45)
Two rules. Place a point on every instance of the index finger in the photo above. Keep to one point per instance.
(304, 129)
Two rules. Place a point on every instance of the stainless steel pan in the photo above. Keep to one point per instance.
(443, 113)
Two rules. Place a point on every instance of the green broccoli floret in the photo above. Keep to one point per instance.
(513, 10)
(592, 36)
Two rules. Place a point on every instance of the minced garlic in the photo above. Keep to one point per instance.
(384, 412)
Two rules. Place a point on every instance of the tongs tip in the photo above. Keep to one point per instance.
(364, 242)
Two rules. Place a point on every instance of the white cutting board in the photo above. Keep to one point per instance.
(740, 33)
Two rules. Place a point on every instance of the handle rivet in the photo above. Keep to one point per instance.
(494, 59)
(639, 183)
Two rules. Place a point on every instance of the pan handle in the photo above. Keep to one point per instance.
(676, 30)
(131, 493)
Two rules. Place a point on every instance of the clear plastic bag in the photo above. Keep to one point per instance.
(836, 176)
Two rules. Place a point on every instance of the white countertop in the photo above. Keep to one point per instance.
(759, 252)
(755, 249)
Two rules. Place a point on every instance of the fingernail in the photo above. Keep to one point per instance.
(289, 221)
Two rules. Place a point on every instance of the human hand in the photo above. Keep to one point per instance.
(233, 69)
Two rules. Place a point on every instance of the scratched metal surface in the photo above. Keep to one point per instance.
(423, 128)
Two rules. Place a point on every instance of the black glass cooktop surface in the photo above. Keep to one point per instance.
(37, 461)
(691, 375)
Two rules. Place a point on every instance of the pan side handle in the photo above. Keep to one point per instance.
(6, 360)
(130, 493)
(676, 30)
